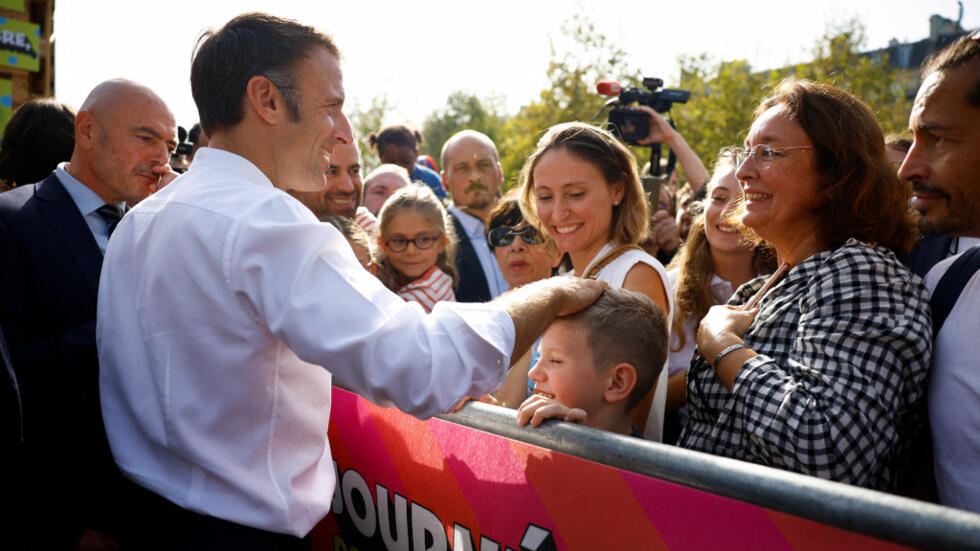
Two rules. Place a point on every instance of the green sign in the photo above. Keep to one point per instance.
(6, 102)
(16, 5)
(20, 44)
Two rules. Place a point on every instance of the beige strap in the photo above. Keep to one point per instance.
(609, 257)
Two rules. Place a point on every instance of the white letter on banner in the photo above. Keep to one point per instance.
(462, 541)
(537, 538)
(400, 540)
(337, 505)
(366, 524)
(425, 522)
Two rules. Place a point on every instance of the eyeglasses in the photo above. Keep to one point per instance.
(762, 154)
(503, 236)
(421, 241)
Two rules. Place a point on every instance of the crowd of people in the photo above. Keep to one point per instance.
(170, 342)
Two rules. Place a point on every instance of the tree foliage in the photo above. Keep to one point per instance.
(719, 113)
(580, 57)
(463, 111)
(366, 121)
(724, 94)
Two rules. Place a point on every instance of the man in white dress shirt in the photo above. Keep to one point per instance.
(472, 176)
(944, 168)
(225, 309)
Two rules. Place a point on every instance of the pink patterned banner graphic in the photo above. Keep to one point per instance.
(405, 484)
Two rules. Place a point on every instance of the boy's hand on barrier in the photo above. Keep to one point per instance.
(486, 399)
(538, 408)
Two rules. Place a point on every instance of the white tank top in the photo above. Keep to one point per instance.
(614, 274)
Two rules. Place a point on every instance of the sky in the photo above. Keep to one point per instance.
(419, 52)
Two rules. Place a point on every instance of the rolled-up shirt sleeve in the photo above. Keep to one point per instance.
(315, 297)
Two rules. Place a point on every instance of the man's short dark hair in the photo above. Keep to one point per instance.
(253, 44)
(194, 133)
(963, 51)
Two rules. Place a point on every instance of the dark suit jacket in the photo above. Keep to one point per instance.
(472, 285)
(49, 277)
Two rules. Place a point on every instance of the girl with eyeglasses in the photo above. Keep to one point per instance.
(581, 187)
(417, 248)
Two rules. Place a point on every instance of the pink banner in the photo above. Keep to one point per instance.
(433, 485)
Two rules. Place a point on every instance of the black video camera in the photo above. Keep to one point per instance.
(178, 159)
(629, 124)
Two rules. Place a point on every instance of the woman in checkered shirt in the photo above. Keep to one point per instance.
(826, 374)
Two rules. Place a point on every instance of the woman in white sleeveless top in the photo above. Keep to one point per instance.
(581, 187)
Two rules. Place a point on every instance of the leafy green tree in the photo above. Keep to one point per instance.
(366, 121)
(724, 94)
(463, 111)
(838, 60)
(582, 57)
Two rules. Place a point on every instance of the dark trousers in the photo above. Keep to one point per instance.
(156, 523)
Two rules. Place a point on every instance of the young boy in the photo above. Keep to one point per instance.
(598, 364)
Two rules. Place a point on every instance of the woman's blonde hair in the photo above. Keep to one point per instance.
(613, 160)
(420, 199)
(692, 292)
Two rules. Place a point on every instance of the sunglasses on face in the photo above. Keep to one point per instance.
(421, 241)
(503, 236)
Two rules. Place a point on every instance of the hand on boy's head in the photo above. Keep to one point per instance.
(538, 408)
(579, 293)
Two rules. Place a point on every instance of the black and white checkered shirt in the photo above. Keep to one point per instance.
(844, 342)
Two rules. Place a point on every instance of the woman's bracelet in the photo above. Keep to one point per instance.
(729, 349)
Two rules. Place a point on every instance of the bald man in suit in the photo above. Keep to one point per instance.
(53, 235)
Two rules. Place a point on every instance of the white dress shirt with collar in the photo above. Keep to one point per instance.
(220, 297)
(476, 231)
(87, 202)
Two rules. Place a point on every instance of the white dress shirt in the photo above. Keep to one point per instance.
(220, 296)
(954, 396)
(476, 231)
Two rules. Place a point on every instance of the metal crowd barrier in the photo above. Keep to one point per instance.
(881, 515)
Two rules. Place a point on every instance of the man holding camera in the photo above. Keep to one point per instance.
(665, 237)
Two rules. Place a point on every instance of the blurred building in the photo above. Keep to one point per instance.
(908, 57)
